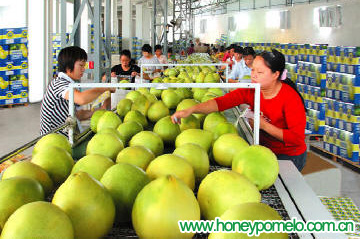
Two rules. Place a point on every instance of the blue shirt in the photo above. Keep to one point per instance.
(240, 69)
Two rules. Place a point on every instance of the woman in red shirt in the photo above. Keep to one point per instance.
(283, 119)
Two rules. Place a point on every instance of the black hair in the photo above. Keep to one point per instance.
(222, 48)
(157, 47)
(68, 56)
(249, 51)
(146, 48)
(125, 53)
(275, 60)
(228, 48)
(239, 50)
(170, 50)
(192, 45)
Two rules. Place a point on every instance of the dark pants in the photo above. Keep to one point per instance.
(298, 160)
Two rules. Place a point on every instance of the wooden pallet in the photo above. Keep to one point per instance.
(14, 105)
(336, 158)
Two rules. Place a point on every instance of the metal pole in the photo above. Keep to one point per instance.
(153, 40)
(257, 114)
(63, 23)
(77, 12)
(165, 26)
(108, 38)
(97, 39)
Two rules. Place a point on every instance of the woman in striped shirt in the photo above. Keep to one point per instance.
(55, 105)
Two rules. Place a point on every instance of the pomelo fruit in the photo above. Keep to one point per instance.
(132, 95)
(226, 147)
(53, 139)
(167, 130)
(93, 164)
(200, 137)
(114, 132)
(143, 90)
(141, 104)
(28, 169)
(216, 91)
(57, 162)
(108, 120)
(105, 144)
(259, 164)
(197, 157)
(172, 164)
(212, 120)
(123, 107)
(156, 92)
(190, 122)
(157, 111)
(152, 98)
(170, 98)
(136, 155)
(88, 204)
(207, 98)
(124, 182)
(185, 104)
(250, 211)
(15, 192)
(149, 140)
(172, 200)
(128, 129)
(137, 116)
(199, 93)
(95, 118)
(40, 220)
(224, 128)
(222, 189)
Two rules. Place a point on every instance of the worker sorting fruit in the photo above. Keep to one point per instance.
(282, 109)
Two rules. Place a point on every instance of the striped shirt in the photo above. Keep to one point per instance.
(54, 107)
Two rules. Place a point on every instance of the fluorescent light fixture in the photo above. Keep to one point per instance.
(242, 20)
(273, 19)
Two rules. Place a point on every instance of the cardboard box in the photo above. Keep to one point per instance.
(14, 35)
(4, 52)
(18, 52)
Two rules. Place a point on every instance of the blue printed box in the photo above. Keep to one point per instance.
(4, 52)
(19, 84)
(342, 68)
(20, 67)
(14, 35)
(18, 52)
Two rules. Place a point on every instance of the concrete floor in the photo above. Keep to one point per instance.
(20, 125)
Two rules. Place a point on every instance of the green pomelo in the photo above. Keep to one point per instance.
(167, 130)
(172, 164)
(156, 92)
(15, 192)
(197, 157)
(226, 147)
(124, 182)
(200, 137)
(170, 98)
(128, 129)
(137, 116)
(30, 170)
(88, 204)
(216, 91)
(209, 78)
(212, 120)
(152, 98)
(190, 122)
(53, 139)
(222, 189)
(172, 201)
(141, 104)
(40, 220)
(105, 144)
(149, 140)
(57, 162)
(143, 90)
(250, 211)
(199, 94)
(95, 119)
(93, 164)
(207, 98)
(185, 104)
(136, 155)
(157, 111)
(108, 120)
(133, 95)
(123, 107)
(224, 128)
(114, 132)
(259, 164)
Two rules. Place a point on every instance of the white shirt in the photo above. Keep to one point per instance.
(239, 70)
(153, 60)
(162, 59)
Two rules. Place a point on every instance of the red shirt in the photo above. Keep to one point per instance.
(285, 111)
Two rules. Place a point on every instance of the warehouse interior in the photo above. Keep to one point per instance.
(323, 34)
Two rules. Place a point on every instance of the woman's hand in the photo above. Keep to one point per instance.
(133, 74)
(176, 117)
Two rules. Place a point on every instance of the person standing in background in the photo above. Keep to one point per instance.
(242, 67)
(149, 58)
(158, 53)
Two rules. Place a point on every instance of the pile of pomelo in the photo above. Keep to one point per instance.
(141, 168)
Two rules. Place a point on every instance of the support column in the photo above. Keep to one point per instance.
(139, 21)
(37, 51)
(114, 18)
(85, 30)
(126, 24)
(77, 35)
(147, 24)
